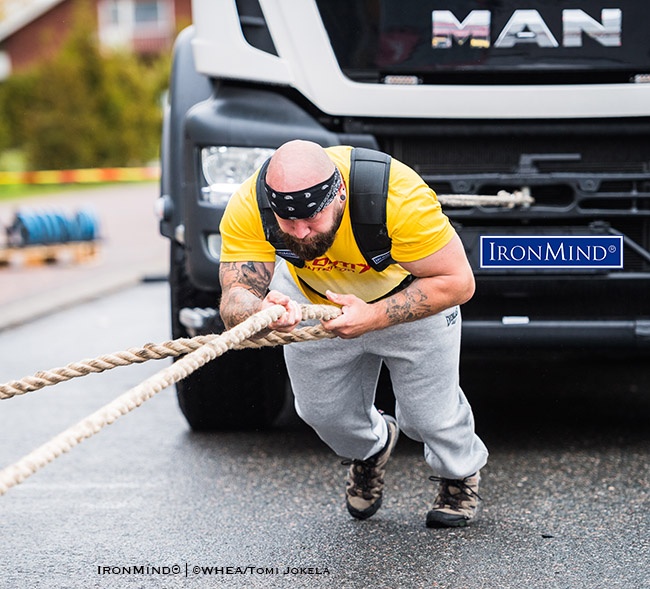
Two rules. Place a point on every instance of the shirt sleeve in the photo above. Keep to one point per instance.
(416, 224)
(242, 233)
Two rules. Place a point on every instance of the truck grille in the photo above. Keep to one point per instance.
(574, 181)
(481, 153)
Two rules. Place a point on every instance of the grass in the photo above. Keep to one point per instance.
(21, 191)
(15, 192)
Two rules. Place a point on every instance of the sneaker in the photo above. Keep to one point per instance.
(456, 504)
(365, 484)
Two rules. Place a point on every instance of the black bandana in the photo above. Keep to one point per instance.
(306, 203)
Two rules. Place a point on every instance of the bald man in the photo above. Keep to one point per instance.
(406, 316)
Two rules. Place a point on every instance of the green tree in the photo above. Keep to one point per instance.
(16, 95)
(84, 108)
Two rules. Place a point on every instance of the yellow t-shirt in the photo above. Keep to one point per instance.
(415, 221)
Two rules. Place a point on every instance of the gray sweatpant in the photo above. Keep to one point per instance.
(334, 383)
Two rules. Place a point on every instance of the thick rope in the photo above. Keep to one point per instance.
(215, 347)
(171, 348)
(501, 199)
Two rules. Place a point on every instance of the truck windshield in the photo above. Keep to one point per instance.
(490, 41)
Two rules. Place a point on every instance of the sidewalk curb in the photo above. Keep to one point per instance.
(19, 313)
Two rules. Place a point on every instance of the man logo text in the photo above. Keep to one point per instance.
(525, 27)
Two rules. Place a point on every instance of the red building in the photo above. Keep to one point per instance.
(32, 30)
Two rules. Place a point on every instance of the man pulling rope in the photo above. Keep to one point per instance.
(405, 315)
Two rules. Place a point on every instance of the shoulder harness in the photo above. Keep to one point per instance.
(368, 191)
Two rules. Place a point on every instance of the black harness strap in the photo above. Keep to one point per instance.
(369, 172)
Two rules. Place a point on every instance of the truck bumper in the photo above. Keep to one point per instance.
(612, 334)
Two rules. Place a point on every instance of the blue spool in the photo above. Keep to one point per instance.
(52, 227)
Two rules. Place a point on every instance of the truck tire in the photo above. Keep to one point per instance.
(240, 390)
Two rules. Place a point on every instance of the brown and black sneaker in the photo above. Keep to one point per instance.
(456, 504)
(365, 485)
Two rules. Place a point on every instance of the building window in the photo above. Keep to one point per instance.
(113, 12)
(141, 25)
(147, 13)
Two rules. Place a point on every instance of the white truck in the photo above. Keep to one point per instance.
(481, 98)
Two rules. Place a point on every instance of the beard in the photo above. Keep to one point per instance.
(314, 247)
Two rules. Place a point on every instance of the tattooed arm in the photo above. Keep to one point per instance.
(444, 279)
(245, 292)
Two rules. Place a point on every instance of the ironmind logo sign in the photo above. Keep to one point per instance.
(574, 251)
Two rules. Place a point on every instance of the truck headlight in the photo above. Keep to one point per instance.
(225, 168)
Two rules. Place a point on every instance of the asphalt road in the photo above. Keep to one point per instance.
(148, 503)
